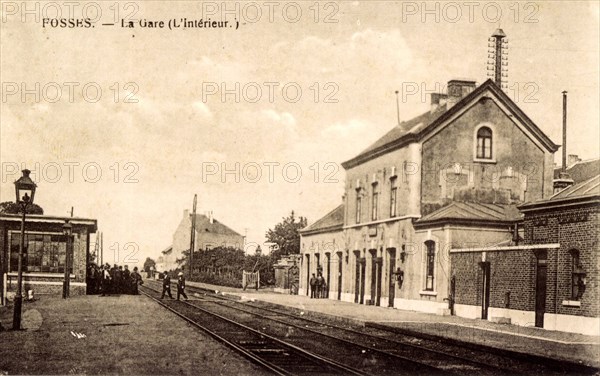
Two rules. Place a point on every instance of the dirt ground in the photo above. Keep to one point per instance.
(110, 335)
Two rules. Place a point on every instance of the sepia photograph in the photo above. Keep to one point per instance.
(322, 187)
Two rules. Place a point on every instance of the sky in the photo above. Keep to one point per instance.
(127, 124)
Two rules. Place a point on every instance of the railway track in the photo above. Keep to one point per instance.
(438, 360)
(438, 356)
(274, 355)
(341, 356)
(353, 350)
(430, 350)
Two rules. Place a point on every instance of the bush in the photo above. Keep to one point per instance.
(224, 266)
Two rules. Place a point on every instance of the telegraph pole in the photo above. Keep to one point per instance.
(192, 238)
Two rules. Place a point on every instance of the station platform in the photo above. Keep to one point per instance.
(572, 347)
(118, 334)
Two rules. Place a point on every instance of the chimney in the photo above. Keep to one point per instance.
(564, 180)
(437, 100)
(564, 145)
(457, 90)
(210, 216)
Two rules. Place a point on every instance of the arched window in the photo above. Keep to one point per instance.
(484, 143)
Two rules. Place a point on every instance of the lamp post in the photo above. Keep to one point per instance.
(25, 191)
(67, 231)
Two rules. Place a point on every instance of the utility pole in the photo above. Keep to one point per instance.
(192, 238)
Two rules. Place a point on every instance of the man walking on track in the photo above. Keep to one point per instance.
(181, 286)
(166, 286)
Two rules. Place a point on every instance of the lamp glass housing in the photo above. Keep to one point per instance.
(25, 189)
(67, 228)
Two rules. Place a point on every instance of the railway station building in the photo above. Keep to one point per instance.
(449, 178)
(549, 280)
(44, 251)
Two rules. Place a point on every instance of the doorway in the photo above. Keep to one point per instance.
(307, 275)
(392, 284)
(328, 267)
(363, 269)
(485, 289)
(339, 284)
(357, 277)
(540, 288)
(379, 264)
(373, 299)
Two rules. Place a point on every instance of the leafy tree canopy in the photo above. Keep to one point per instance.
(286, 235)
(9, 207)
(149, 263)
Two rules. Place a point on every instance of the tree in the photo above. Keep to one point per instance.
(9, 207)
(286, 235)
(149, 263)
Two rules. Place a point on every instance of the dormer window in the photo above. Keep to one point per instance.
(484, 143)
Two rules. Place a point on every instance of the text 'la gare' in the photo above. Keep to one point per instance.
(179, 23)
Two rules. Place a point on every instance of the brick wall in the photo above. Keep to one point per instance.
(514, 271)
(467, 274)
(574, 229)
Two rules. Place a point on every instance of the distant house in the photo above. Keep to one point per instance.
(165, 261)
(551, 279)
(210, 233)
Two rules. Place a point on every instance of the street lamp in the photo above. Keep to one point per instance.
(67, 231)
(25, 191)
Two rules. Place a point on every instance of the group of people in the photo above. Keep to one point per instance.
(113, 280)
(318, 286)
(167, 286)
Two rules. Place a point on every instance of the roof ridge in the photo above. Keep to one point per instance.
(432, 119)
(323, 218)
(475, 208)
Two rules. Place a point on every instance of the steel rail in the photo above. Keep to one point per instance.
(270, 366)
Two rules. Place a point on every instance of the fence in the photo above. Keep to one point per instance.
(250, 279)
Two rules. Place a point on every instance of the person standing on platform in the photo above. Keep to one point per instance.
(181, 286)
(313, 286)
(90, 279)
(126, 281)
(106, 278)
(166, 286)
(320, 282)
(136, 280)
